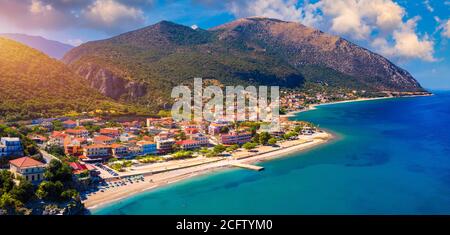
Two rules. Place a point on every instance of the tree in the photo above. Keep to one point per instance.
(9, 203)
(272, 141)
(55, 150)
(264, 137)
(298, 129)
(232, 148)
(50, 191)
(165, 113)
(224, 130)
(255, 138)
(58, 171)
(24, 191)
(57, 125)
(70, 194)
(181, 136)
(219, 148)
(249, 145)
(290, 135)
(176, 147)
(6, 181)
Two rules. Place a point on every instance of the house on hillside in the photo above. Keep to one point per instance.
(28, 168)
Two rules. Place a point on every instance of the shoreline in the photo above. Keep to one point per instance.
(159, 180)
(314, 106)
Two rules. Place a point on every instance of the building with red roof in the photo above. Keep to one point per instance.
(69, 124)
(103, 139)
(28, 168)
(188, 144)
(111, 132)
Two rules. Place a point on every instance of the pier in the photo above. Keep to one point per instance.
(248, 166)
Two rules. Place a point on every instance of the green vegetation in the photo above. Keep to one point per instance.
(251, 54)
(219, 149)
(182, 154)
(58, 152)
(249, 145)
(290, 135)
(34, 85)
(264, 138)
(232, 148)
(120, 165)
(149, 159)
(272, 141)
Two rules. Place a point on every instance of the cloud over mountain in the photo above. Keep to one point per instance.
(384, 23)
(111, 16)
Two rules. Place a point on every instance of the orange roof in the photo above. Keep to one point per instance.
(186, 142)
(108, 130)
(25, 162)
(143, 142)
(77, 131)
(117, 146)
(58, 134)
(103, 138)
(97, 146)
(148, 138)
(70, 122)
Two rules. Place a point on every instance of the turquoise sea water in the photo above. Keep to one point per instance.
(392, 157)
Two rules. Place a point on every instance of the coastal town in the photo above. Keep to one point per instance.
(109, 159)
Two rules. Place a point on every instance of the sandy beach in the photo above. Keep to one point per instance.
(178, 171)
(313, 106)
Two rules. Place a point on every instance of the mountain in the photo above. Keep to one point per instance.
(143, 65)
(52, 48)
(35, 85)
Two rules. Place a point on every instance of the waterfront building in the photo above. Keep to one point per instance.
(215, 128)
(189, 144)
(97, 151)
(164, 145)
(235, 137)
(148, 147)
(200, 138)
(119, 151)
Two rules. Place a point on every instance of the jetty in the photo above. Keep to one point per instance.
(248, 166)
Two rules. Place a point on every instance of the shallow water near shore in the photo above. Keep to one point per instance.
(392, 157)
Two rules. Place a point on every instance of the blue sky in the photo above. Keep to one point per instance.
(413, 34)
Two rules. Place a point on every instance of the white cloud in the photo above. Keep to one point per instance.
(111, 16)
(428, 5)
(279, 9)
(446, 27)
(37, 7)
(110, 12)
(409, 45)
(75, 42)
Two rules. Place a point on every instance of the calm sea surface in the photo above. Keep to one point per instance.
(392, 157)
